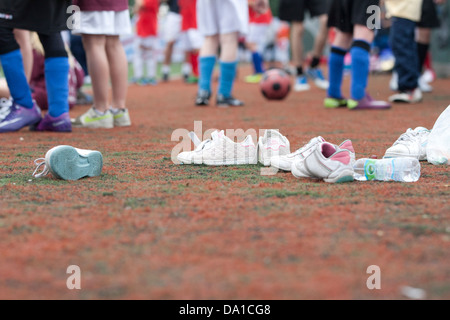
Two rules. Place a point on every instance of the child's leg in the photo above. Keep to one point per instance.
(339, 49)
(297, 46)
(207, 60)
(11, 59)
(118, 66)
(360, 52)
(98, 69)
(320, 41)
(228, 63)
(150, 57)
(56, 74)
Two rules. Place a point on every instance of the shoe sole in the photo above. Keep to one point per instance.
(343, 177)
(399, 155)
(232, 162)
(66, 163)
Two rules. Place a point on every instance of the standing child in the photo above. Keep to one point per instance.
(172, 30)
(257, 36)
(221, 22)
(47, 18)
(146, 42)
(102, 22)
(350, 18)
(191, 37)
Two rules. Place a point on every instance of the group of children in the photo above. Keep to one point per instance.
(208, 29)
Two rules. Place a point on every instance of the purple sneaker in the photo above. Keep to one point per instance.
(58, 124)
(20, 117)
(367, 103)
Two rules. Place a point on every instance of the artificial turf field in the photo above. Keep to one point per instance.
(150, 229)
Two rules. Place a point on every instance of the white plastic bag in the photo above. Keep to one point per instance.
(438, 149)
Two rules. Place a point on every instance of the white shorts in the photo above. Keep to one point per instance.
(172, 27)
(191, 40)
(147, 42)
(222, 16)
(109, 23)
(258, 33)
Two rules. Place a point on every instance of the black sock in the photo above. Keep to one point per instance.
(422, 50)
(299, 71)
(315, 62)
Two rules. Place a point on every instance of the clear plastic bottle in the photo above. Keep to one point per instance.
(395, 169)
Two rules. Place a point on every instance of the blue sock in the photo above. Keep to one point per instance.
(227, 75)
(57, 82)
(336, 70)
(360, 52)
(15, 76)
(257, 62)
(206, 70)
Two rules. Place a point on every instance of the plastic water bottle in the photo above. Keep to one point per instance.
(394, 169)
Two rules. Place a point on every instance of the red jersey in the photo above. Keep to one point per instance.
(147, 24)
(188, 11)
(263, 18)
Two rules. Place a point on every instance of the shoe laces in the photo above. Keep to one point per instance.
(39, 163)
(409, 135)
(209, 143)
(309, 144)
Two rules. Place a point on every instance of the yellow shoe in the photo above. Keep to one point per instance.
(254, 78)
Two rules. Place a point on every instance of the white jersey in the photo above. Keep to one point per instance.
(222, 16)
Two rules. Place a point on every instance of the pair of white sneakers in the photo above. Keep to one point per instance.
(319, 159)
(221, 150)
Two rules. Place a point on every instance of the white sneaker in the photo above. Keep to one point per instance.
(93, 119)
(285, 162)
(220, 151)
(413, 96)
(424, 85)
(411, 144)
(324, 161)
(69, 163)
(121, 118)
(272, 144)
(393, 84)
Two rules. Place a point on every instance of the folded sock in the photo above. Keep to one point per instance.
(360, 52)
(206, 70)
(227, 76)
(315, 62)
(336, 70)
(56, 80)
(15, 76)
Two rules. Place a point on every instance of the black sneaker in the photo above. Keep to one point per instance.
(202, 99)
(228, 102)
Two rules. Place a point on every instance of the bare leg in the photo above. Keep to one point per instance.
(229, 45)
(321, 39)
(343, 40)
(118, 66)
(210, 46)
(97, 60)
(297, 43)
(361, 32)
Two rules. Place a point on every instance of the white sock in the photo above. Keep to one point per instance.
(138, 66)
(186, 68)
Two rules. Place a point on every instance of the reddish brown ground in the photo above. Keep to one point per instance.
(150, 229)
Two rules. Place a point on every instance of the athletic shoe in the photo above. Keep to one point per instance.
(301, 84)
(272, 144)
(393, 83)
(148, 81)
(69, 163)
(429, 75)
(411, 96)
(223, 102)
(424, 85)
(333, 103)
(5, 107)
(192, 80)
(121, 117)
(324, 161)
(92, 119)
(58, 124)
(83, 98)
(285, 162)
(367, 103)
(202, 99)
(411, 144)
(254, 78)
(220, 150)
(19, 117)
(316, 75)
